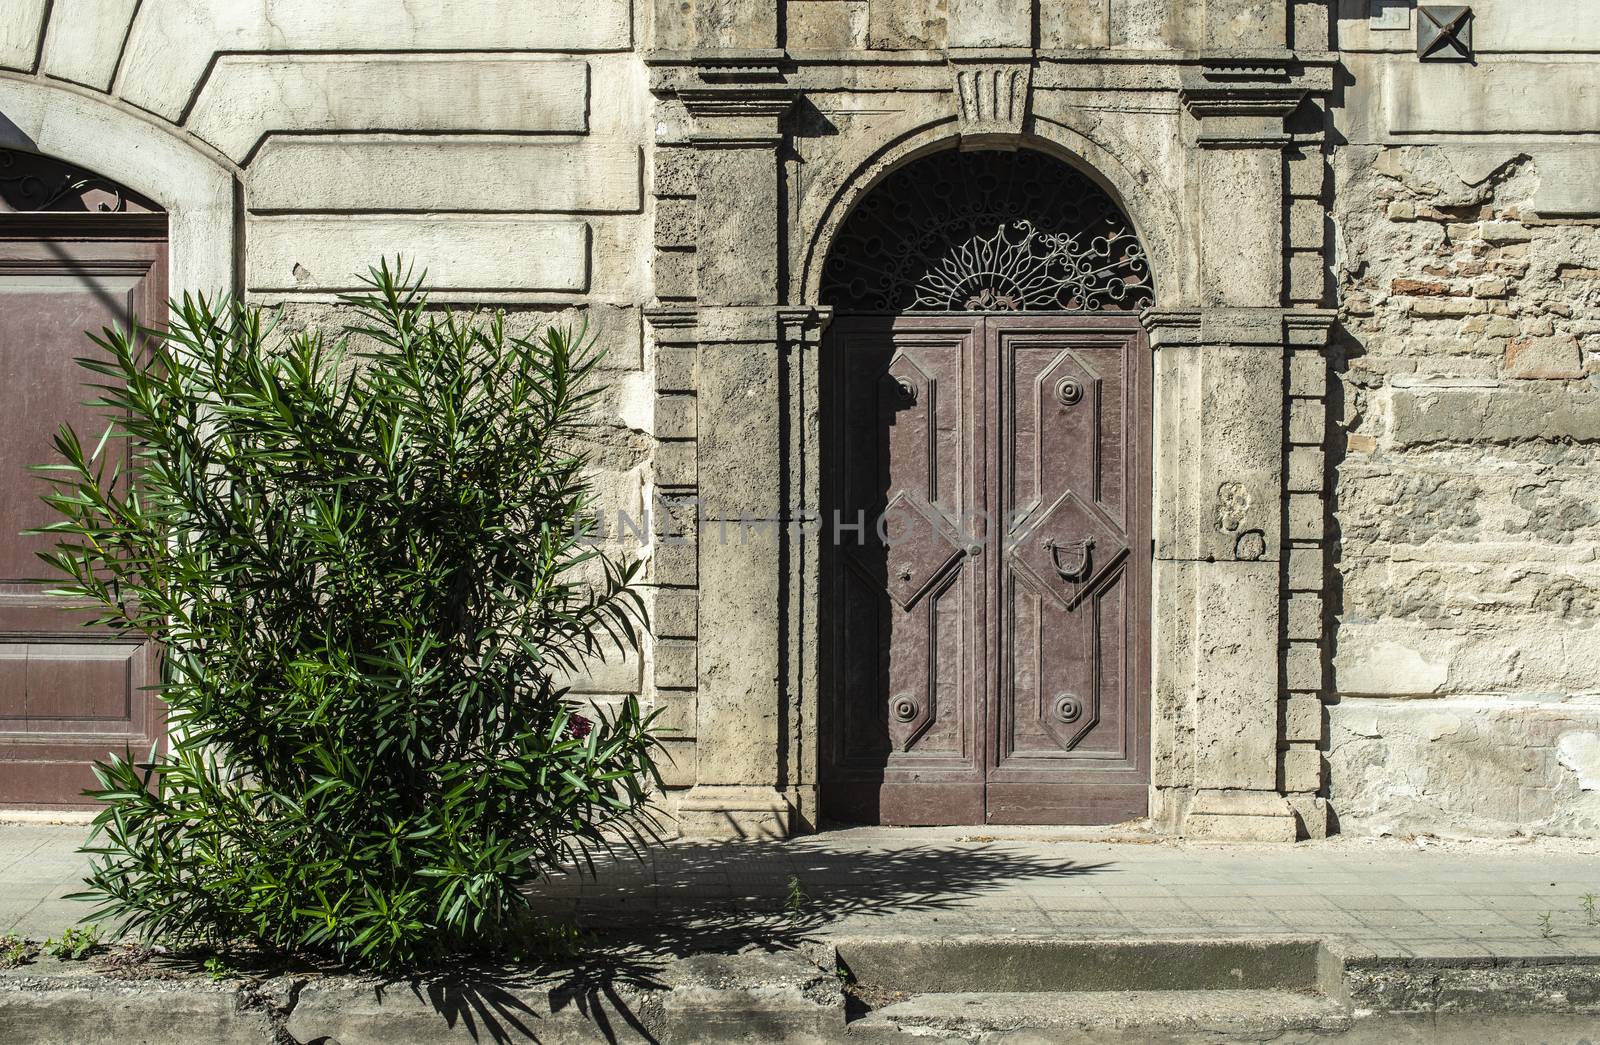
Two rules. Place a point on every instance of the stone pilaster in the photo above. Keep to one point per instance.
(1220, 536)
(742, 723)
(675, 549)
(800, 330)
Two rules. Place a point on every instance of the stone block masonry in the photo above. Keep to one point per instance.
(1376, 563)
(1468, 499)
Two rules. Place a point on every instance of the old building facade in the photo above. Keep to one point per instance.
(1223, 372)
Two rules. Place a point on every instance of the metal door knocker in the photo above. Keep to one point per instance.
(908, 391)
(1076, 573)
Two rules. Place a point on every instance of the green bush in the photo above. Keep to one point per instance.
(367, 574)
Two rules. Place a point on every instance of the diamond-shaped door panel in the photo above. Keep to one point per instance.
(919, 550)
(1067, 552)
(1066, 443)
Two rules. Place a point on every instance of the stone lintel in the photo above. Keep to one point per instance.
(722, 811)
(1241, 816)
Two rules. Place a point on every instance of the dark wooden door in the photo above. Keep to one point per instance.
(986, 644)
(68, 694)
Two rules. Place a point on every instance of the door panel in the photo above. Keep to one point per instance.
(1069, 696)
(68, 694)
(906, 746)
(987, 673)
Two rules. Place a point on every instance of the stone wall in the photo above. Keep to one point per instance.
(1412, 639)
(498, 144)
(1466, 597)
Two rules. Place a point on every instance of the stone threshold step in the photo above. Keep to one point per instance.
(993, 964)
(1099, 1016)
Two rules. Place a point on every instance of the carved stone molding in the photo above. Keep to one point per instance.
(736, 115)
(1242, 103)
(1308, 328)
(672, 325)
(1265, 328)
(993, 92)
(1171, 328)
(803, 325)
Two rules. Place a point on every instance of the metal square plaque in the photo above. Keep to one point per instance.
(1444, 34)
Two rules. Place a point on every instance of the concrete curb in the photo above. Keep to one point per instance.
(956, 989)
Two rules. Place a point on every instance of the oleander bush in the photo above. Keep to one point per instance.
(364, 561)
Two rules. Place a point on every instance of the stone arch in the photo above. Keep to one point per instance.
(191, 184)
(1115, 166)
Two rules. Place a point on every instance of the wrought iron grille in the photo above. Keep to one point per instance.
(30, 182)
(987, 232)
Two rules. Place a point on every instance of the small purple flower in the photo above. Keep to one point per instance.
(578, 727)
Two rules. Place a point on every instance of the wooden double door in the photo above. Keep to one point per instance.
(69, 694)
(985, 602)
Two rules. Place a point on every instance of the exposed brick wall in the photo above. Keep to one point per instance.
(1467, 594)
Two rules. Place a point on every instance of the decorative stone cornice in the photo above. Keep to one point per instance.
(736, 115)
(762, 101)
(803, 324)
(1171, 328)
(993, 92)
(746, 63)
(1241, 103)
(1308, 327)
(673, 326)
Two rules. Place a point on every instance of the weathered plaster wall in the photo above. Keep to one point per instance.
(1467, 596)
(499, 144)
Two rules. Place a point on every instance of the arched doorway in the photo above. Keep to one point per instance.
(77, 252)
(986, 482)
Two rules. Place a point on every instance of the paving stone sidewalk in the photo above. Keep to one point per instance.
(1393, 898)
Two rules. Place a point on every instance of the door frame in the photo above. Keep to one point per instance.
(986, 372)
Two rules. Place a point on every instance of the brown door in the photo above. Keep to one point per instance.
(987, 585)
(68, 694)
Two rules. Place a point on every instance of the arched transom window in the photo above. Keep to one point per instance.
(987, 231)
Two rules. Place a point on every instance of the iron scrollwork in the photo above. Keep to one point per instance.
(30, 183)
(987, 232)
